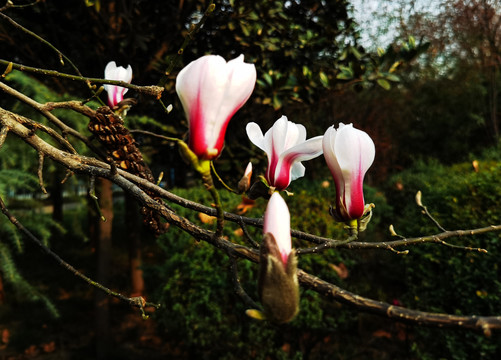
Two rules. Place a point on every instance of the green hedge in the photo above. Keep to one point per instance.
(443, 279)
(204, 316)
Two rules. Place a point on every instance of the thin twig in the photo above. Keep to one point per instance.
(326, 245)
(61, 56)
(221, 180)
(10, 5)
(149, 133)
(3, 135)
(247, 235)
(40, 172)
(152, 90)
(426, 212)
(137, 301)
(237, 285)
(93, 196)
(69, 174)
(167, 109)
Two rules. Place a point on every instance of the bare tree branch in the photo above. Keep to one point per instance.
(137, 186)
(151, 90)
(484, 324)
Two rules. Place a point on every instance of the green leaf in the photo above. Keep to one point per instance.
(392, 77)
(344, 75)
(355, 53)
(277, 103)
(412, 41)
(268, 79)
(324, 79)
(306, 71)
(384, 84)
(245, 29)
(344, 54)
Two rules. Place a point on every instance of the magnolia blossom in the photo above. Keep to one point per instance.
(286, 146)
(112, 72)
(349, 153)
(211, 91)
(277, 222)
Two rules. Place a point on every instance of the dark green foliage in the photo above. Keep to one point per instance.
(203, 313)
(19, 186)
(12, 241)
(282, 39)
(443, 279)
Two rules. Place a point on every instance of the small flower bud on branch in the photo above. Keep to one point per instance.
(278, 284)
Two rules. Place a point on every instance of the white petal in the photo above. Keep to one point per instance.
(277, 222)
(277, 136)
(248, 169)
(328, 144)
(297, 171)
(354, 149)
(119, 73)
(306, 150)
(110, 69)
(255, 135)
(303, 151)
(296, 133)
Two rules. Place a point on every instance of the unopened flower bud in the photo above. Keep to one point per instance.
(392, 231)
(245, 181)
(278, 284)
(418, 199)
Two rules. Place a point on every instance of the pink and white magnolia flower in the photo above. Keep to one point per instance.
(349, 153)
(277, 222)
(286, 146)
(114, 72)
(211, 91)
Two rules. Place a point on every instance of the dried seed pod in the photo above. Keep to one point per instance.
(110, 131)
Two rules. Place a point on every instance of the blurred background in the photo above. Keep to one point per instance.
(421, 79)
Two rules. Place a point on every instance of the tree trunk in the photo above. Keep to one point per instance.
(2, 292)
(133, 227)
(494, 103)
(103, 247)
(56, 194)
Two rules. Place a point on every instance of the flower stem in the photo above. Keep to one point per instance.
(203, 167)
(209, 185)
(353, 228)
(227, 187)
